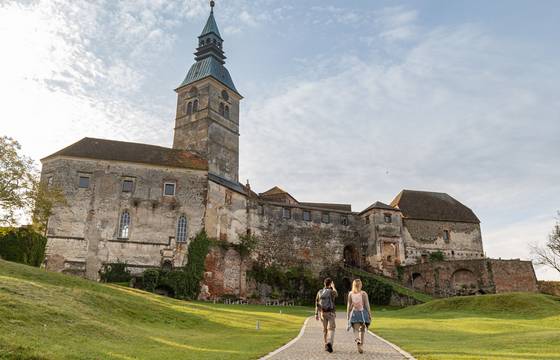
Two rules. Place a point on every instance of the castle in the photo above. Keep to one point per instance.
(142, 204)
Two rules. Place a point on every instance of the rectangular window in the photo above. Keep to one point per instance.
(228, 197)
(446, 235)
(325, 218)
(83, 182)
(286, 213)
(50, 181)
(344, 220)
(169, 189)
(388, 218)
(367, 219)
(260, 209)
(127, 186)
(306, 215)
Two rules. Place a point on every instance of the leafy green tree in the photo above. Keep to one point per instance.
(17, 178)
(21, 191)
(437, 256)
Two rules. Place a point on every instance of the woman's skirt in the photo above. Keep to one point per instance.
(360, 317)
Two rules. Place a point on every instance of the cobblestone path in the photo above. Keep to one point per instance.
(310, 345)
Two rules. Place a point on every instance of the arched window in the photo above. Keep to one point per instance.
(195, 106)
(207, 41)
(222, 109)
(226, 112)
(182, 229)
(124, 225)
(189, 108)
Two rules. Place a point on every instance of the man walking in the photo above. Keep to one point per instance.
(325, 310)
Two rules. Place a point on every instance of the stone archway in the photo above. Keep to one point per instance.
(464, 281)
(351, 256)
(418, 282)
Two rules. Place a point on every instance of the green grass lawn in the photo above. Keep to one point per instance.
(54, 316)
(508, 326)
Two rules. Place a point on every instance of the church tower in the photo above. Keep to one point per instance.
(207, 120)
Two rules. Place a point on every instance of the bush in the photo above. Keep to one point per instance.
(379, 293)
(22, 245)
(116, 272)
(437, 256)
(150, 279)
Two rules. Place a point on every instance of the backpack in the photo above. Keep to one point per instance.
(326, 302)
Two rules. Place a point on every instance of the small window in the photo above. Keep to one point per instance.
(325, 218)
(124, 225)
(226, 112)
(169, 189)
(306, 215)
(127, 186)
(225, 95)
(228, 197)
(222, 109)
(286, 213)
(182, 229)
(50, 181)
(367, 219)
(388, 218)
(344, 220)
(446, 235)
(189, 108)
(195, 106)
(260, 209)
(83, 182)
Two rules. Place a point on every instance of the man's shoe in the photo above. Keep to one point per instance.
(326, 347)
(360, 348)
(329, 347)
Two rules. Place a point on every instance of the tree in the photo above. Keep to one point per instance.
(549, 254)
(16, 180)
(21, 190)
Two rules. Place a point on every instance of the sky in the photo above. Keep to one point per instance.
(344, 101)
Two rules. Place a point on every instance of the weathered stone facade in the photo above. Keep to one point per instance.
(141, 204)
(470, 277)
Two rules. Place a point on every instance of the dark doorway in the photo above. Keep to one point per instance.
(351, 256)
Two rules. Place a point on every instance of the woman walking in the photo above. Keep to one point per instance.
(358, 313)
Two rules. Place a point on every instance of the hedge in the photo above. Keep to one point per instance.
(23, 245)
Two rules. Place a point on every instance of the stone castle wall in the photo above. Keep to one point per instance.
(422, 237)
(85, 231)
(469, 277)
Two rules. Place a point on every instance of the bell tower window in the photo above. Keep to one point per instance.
(195, 106)
(222, 109)
(188, 110)
(226, 112)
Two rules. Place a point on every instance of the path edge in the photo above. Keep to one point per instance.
(288, 344)
(401, 351)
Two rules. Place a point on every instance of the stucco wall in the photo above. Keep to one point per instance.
(91, 215)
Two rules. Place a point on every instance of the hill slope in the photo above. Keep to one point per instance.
(54, 316)
(504, 326)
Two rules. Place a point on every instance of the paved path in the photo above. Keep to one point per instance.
(310, 345)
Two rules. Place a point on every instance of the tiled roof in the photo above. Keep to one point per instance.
(328, 206)
(209, 66)
(102, 149)
(428, 205)
(379, 205)
(273, 191)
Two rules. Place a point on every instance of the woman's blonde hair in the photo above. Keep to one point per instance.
(357, 286)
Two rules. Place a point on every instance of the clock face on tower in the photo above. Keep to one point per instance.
(225, 95)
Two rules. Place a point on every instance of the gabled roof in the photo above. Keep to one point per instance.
(211, 26)
(276, 194)
(328, 206)
(427, 205)
(102, 149)
(273, 191)
(379, 205)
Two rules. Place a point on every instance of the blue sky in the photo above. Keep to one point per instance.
(345, 101)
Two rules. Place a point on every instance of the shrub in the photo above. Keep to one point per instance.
(115, 272)
(22, 245)
(379, 293)
(150, 279)
(437, 256)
